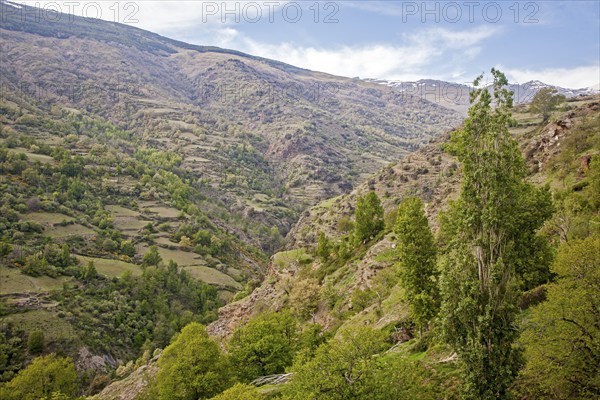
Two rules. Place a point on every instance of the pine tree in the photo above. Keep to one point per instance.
(417, 255)
(486, 236)
(368, 216)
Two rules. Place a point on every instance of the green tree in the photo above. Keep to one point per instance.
(368, 216)
(240, 391)
(264, 346)
(65, 256)
(128, 248)
(35, 342)
(45, 377)
(89, 272)
(486, 236)
(345, 224)
(323, 247)
(594, 177)
(275, 239)
(545, 101)
(417, 259)
(192, 367)
(562, 337)
(304, 298)
(152, 257)
(340, 369)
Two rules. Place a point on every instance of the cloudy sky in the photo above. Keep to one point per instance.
(555, 42)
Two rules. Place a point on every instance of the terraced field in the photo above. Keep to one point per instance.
(110, 267)
(13, 281)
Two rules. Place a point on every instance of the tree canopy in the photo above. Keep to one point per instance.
(192, 367)
(368, 217)
(44, 378)
(545, 101)
(417, 255)
(264, 346)
(487, 237)
(562, 338)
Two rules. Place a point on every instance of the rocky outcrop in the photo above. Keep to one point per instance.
(130, 387)
(544, 146)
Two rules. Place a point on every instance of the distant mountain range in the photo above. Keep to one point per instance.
(456, 95)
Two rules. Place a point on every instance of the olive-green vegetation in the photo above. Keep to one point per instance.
(368, 217)
(240, 391)
(35, 342)
(49, 377)
(12, 351)
(323, 247)
(352, 366)
(265, 346)
(124, 316)
(545, 101)
(562, 337)
(488, 238)
(192, 367)
(61, 248)
(417, 259)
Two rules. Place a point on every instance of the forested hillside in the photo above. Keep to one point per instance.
(360, 305)
(189, 222)
(267, 139)
(145, 182)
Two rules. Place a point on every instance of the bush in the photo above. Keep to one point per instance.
(240, 392)
(35, 342)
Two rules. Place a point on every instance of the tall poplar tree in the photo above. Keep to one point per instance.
(486, 238)
(417, 255)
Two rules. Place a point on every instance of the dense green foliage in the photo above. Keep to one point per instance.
(240, 391)
(368, 217)
(488, 236)
(417, 255)
(35, 342)
(264, 346)
(192, 367)
(340, 369)
(46, 378)
(351, 366)
(12, 351)
(562, 339)
(125, 315)
(323, 247)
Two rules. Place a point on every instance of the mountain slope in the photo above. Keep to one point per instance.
(268, 138)
(428, 173)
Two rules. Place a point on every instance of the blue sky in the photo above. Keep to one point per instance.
(553, 41)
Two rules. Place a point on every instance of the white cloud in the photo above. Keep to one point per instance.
(455, 39)
(377, 60)
(574, 78)
(167, 16)
(413, 59)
